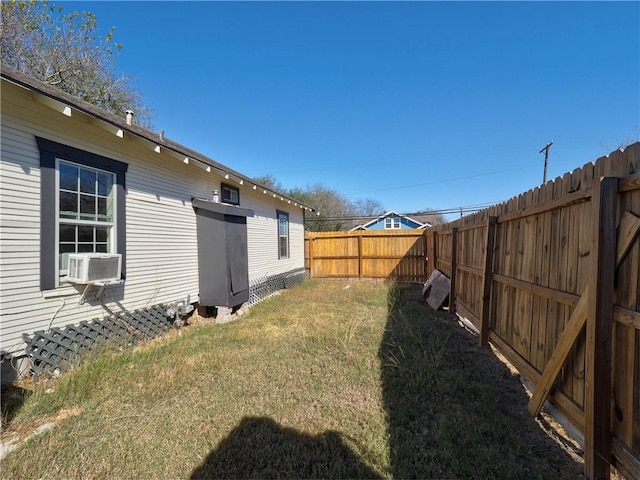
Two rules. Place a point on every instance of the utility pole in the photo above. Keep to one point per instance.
(545, 149)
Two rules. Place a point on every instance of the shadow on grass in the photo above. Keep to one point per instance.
(260, 448)
(453, 409)
(12, 398)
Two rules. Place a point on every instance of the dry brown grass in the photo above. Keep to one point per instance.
(319, 382)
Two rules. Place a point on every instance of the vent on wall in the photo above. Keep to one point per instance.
(94, 267)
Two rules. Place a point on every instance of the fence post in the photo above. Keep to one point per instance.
(360, 256)
(487, 279)
(597, 402)
(454, 267)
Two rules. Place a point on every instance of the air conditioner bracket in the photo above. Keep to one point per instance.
(101, 286)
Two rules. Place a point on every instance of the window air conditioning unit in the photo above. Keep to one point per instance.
(94, 267)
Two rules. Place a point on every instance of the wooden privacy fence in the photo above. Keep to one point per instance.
(530, 273)
(398, 254)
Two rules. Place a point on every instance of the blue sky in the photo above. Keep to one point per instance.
(414, 104)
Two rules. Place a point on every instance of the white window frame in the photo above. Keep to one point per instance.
(112, 224)
(280, 214)
(392, 223)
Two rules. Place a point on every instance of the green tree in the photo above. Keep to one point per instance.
(65, 50)
(335, 211)
(269, 181)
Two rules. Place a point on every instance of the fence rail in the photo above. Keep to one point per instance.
(530, 273)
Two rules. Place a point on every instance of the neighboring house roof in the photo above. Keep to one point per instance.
(59, 99)
(424, 219)
(390, 214)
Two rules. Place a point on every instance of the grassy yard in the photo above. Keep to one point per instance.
(321, 381)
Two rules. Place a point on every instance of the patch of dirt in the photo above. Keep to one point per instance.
(12, 436)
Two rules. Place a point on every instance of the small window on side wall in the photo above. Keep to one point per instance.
(283, 234)
(230, 194)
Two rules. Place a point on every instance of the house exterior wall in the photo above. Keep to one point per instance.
(405, 224)
(161, 243)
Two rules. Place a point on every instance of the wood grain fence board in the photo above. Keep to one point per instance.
(562, 402)
(635, 415)
(577, 353)
(309, 256)
(530, 329)
(499, 267)
(554, 203)
(454, 269)
(613, 166)
(470, 270)
(508, 305)
(477, 260)
(624, 335)
(577, 321)
(565, 342)
(545, 264)
(574, 379)
(627, 317)
(583, 269)
(632, 160)
(537, 329)
(630, 183)
(558, 296)
(434, 252)
(553, 312)
(515, 268)
(359, 256)
(625, 345)
(623, 369)
(518, 318)
(564, 313)
(487, 281)
(634, 258)
(625, 459)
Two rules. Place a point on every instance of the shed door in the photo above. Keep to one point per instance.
(237, 258)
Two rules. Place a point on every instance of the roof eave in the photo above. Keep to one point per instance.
(25, 81)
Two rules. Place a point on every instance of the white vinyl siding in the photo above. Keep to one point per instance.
(262, 230)
(161, 242)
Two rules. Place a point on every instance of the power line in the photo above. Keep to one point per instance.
(443, 211)
(442, 181)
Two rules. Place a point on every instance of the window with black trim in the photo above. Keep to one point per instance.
(283, 234)
(82, 207)
(230, 194)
